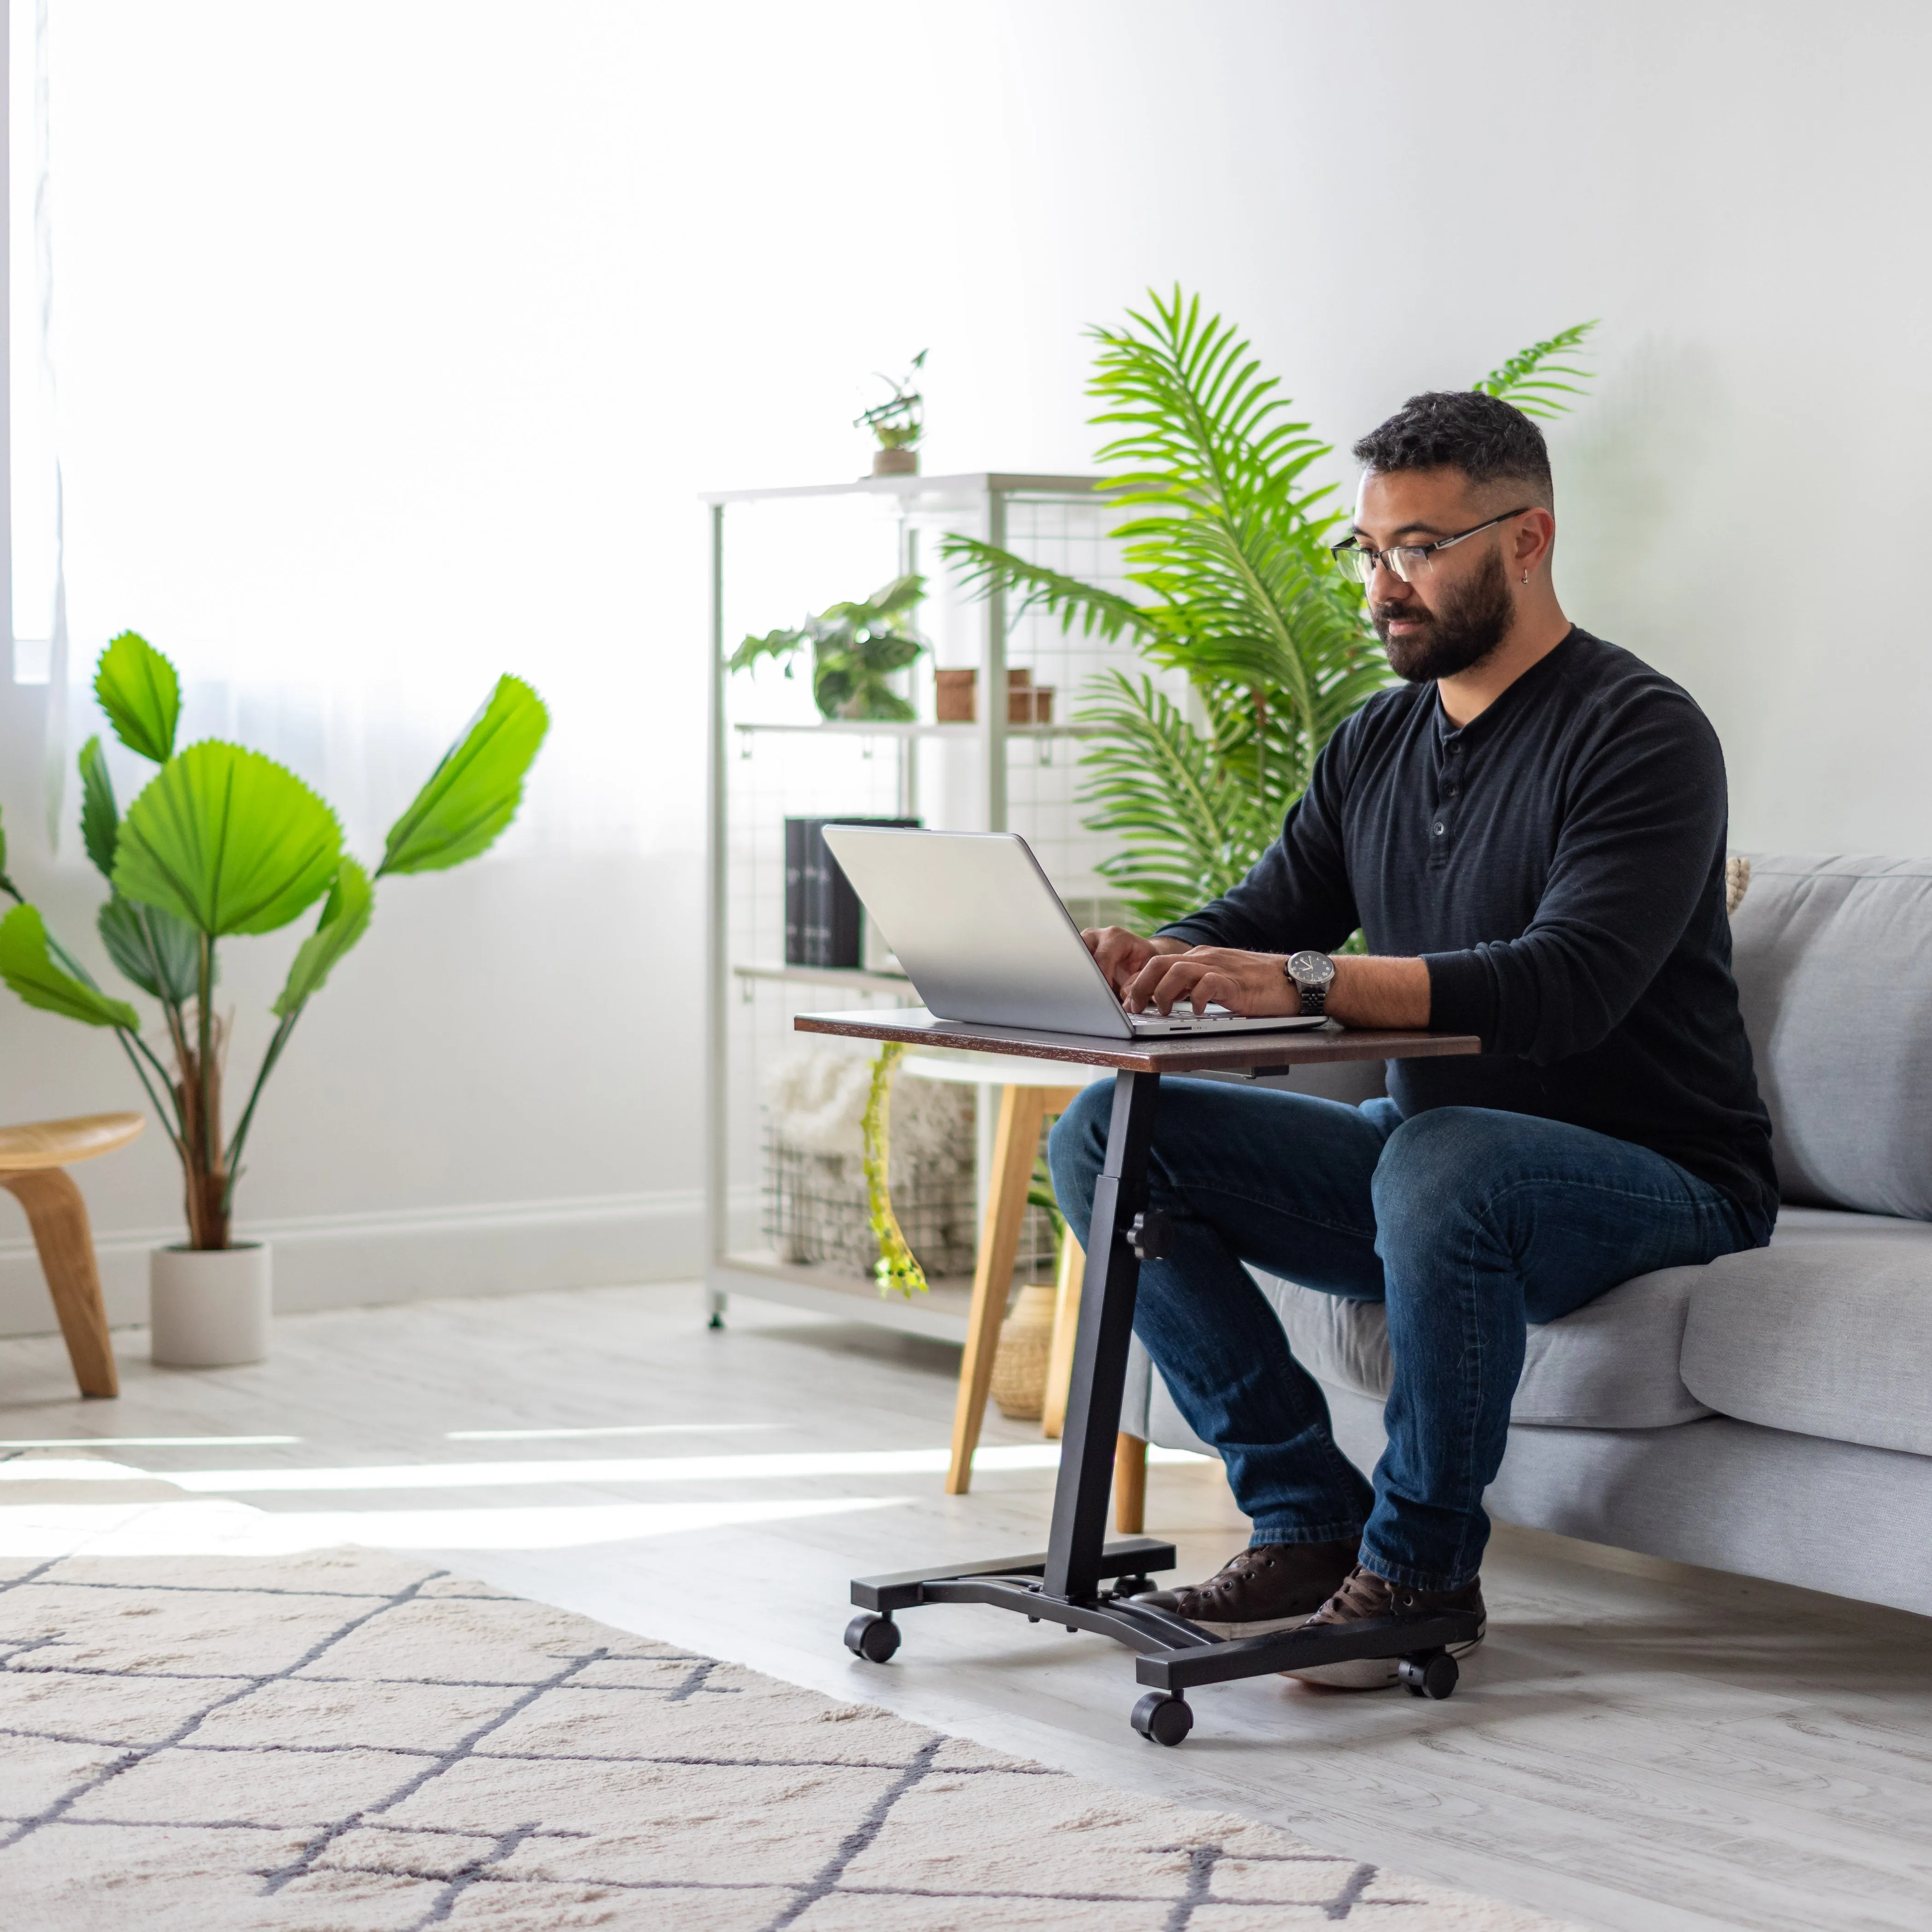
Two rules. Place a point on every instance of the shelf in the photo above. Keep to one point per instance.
(940, 1314)
(854, 977)
(972, 484)
(890, 728)
(961, 775)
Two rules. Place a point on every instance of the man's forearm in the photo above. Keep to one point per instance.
(1372, 992)
(1365, 992)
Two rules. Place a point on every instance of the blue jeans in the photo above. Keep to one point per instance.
(1466, 1222)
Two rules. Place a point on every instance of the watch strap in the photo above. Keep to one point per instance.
(1313, 993)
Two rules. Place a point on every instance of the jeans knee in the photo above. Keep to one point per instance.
(1434, 1175)
(1077, 1149)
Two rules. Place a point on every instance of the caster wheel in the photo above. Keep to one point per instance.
(1433, 1675)
(1163, 1719)
(873, 1638)
(1133, 1586)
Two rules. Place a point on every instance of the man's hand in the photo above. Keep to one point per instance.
(1159, 973)
(1250, 984)
(1121, 954)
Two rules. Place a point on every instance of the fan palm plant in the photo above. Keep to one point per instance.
(1226, 539)
(222, 841)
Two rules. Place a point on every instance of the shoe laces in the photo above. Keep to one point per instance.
(1362, 1593)
(1236, 1569)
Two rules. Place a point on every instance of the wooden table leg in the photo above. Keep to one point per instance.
(1130, 1484)
(1066, 1325)
(1015, 1146)
(1066, 1298)
(58, 1215)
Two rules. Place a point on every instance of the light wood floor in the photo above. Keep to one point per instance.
(1640, 1746)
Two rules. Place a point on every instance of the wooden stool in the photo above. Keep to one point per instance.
(1024, 1111)
(32, 1163)
(1026, 1104)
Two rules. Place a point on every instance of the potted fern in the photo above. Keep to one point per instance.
(1226, 545)
(899, 423)
(222, 842)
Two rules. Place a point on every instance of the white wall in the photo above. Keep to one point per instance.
(658, 249)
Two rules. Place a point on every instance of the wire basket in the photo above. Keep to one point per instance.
(816, 1209)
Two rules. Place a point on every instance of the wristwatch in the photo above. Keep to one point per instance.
(1311, 973)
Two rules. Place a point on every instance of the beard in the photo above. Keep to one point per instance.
(1472, 620)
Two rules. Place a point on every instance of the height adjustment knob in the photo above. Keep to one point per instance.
(1148, 1235)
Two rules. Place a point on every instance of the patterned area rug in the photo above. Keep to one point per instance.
(349, 1741)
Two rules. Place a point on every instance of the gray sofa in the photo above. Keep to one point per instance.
(1771, 1413)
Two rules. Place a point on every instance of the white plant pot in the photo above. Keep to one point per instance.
(209, 1306)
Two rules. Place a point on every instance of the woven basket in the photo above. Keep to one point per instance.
(1019, 1364)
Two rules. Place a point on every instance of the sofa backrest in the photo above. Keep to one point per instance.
(1833, 963)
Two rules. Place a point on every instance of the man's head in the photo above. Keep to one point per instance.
(1446, 464)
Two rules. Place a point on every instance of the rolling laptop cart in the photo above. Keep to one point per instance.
(1081, 1580)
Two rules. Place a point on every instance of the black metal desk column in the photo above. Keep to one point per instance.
(1080, 1500)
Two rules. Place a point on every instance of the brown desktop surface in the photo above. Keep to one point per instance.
(1180, 1053)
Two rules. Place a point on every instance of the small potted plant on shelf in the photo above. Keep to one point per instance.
(899, 423)
(222, 842)
(855, 648)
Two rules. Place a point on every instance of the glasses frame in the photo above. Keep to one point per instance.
(1377, 559)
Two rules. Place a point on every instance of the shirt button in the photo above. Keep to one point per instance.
(1438, 831)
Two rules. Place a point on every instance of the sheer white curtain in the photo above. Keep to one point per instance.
(394, 338)
(324, 321)
(393, 341)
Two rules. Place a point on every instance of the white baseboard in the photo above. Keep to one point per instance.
(337, 1261)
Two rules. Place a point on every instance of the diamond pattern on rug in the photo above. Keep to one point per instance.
(345, 1742)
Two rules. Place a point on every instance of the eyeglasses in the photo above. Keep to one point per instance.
(1408, 561)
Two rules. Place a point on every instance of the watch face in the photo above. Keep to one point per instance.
(1313, 969)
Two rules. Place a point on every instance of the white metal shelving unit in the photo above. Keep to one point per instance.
(792, 550)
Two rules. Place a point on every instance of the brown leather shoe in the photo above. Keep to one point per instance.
(1269, 1586)
(1364, 1594)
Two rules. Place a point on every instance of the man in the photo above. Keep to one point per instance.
(1530, 833)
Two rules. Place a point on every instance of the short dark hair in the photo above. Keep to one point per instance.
(1489, 440)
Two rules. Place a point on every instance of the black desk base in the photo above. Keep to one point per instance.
(1066, 1583)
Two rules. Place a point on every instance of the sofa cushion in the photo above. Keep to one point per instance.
(1164, 1423)
(1613, 1364)
(1828, 954)
(1821, 1337)
(1796, 1225)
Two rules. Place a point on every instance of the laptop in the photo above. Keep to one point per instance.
(984, 937)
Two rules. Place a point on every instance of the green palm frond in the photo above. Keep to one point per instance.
(1189, 826)
(981, 568)
(1202, 422)
(1224, 543)
(1213, 462)
(1529, 378)
(1227, 541)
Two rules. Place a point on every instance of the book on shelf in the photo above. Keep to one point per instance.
(824, 921)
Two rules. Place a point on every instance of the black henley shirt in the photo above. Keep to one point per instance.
(1558, 864)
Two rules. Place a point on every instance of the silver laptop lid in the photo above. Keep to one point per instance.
(976, 923)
